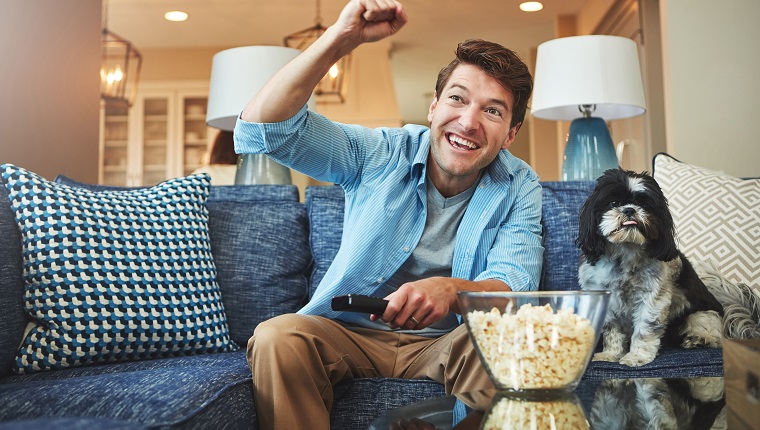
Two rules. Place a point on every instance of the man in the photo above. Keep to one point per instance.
(429, 212)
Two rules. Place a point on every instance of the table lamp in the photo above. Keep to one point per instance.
(237, 74)
(589, 80)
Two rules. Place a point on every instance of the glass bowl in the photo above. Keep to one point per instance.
(558, 412)
(534, 342)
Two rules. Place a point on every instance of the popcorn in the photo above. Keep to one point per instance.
(523, 414)
(533, 348)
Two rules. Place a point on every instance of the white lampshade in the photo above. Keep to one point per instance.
(588, 70)
(237, 74)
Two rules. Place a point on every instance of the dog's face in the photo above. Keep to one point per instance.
(626, 208)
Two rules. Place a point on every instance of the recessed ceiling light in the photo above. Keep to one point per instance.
(531, 6)
(175, 15)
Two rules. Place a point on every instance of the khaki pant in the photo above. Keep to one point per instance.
(297, 359)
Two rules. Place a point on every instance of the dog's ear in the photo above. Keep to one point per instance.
(664, 247)
(591, 243)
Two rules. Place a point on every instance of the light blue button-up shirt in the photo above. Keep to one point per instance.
(383, 174)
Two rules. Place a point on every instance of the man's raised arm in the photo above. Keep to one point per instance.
(361, 21)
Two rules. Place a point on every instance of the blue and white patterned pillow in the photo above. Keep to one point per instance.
(117, 275)
(259, 239)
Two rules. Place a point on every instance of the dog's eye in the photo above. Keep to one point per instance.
(613, 204)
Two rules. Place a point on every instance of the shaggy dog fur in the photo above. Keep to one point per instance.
(697, 403)
(628, 245)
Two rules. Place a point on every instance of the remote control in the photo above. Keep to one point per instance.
(359, 303)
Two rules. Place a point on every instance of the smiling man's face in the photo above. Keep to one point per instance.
(469, 123)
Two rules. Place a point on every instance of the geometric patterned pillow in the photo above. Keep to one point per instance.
(259, 240)
(717, 216)
(116, 275)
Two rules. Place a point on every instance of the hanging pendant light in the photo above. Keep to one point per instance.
(119, 66)
(333, 86)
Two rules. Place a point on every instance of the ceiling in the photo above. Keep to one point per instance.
(418, 51)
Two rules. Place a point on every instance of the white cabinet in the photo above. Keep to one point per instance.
(163, 135)
(114, 144)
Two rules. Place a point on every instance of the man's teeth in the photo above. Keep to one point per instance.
(461, 142)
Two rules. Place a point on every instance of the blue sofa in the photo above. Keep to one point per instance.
(270, 251)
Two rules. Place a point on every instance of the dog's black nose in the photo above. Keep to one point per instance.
(629, 212)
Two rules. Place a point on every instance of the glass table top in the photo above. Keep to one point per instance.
(688, 403)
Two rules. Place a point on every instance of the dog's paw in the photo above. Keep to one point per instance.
(701, 342)
(702, 330)
(707, 389)
(605, 356)
(636, 360)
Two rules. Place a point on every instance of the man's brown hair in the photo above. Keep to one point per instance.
(498, 62)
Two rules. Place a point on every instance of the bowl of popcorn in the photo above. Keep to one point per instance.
(557, 412)
(534, 342)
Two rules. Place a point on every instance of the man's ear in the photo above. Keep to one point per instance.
(511, 136)
(432, 107)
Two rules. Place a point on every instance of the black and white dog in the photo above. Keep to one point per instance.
(627, 240)
(693, 403)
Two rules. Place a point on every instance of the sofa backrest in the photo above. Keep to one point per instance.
(325, 206)
(261, 252)
(561, 204)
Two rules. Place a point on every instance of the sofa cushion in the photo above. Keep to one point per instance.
(669, 363)
(163, 393)
(13, 319)
(326, 205)
(70, 423)
(262, 255)
(717, 216)
(259, 240)
(118, 275)
(562, 203)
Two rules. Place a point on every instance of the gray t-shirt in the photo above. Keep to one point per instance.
(432, 256)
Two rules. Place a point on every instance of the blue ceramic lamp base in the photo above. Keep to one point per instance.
(589, 150)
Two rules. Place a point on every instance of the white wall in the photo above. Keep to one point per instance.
(50, 86)
(711, 60)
